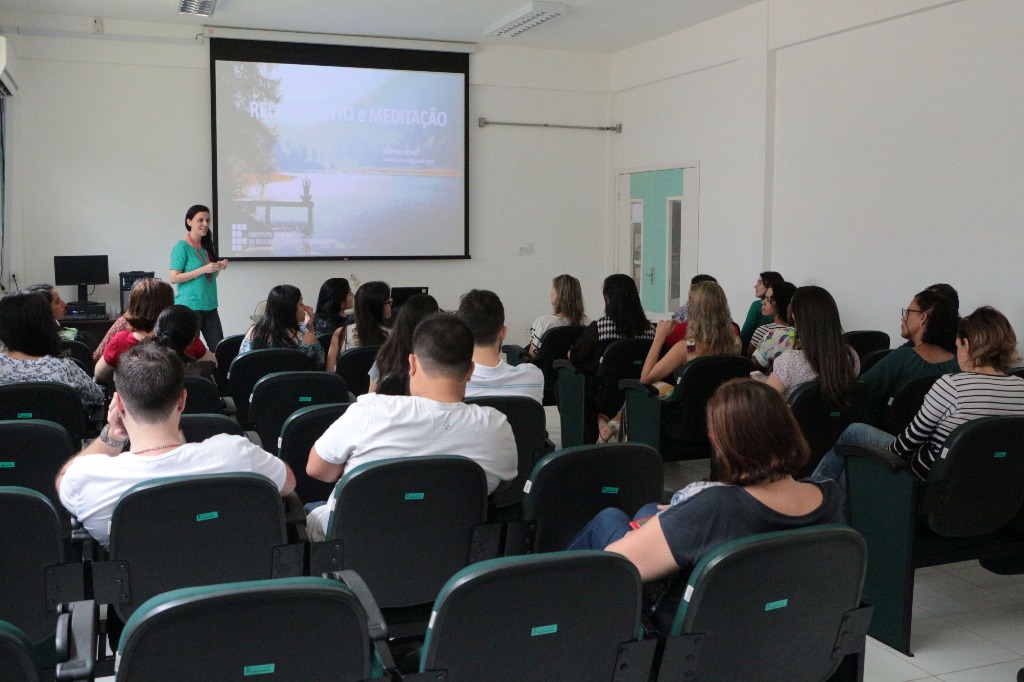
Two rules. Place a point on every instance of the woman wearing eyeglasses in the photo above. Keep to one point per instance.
(986, 347)
(929, 323)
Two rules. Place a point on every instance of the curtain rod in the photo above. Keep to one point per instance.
(617, 128)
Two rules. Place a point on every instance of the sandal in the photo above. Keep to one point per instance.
(607, 430)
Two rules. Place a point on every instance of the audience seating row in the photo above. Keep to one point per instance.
(563, 615)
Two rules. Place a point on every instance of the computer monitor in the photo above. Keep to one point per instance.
(400, 295)
(82, 271)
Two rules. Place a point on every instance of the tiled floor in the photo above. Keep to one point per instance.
(968, 623)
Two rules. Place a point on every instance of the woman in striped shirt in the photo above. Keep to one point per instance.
(986, 348)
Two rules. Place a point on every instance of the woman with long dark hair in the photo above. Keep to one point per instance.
(372, 311)
(334, 299)
(194, 268)
(755, 318)
(820, 352)
(567, 302)
(32, 347)
(390, 372)
(623, 318)
(758, 447)
(280, 326)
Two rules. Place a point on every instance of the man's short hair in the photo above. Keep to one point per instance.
(483, 312)
(443, 346)
(697, 279)
(149, 378)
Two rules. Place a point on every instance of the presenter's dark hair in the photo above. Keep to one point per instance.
(483, 312)
(371, 298)
(207, 240)
(278, 325)
(149, 378)
(27, 325)
(443, 346)
(622, 305)
(333, 294)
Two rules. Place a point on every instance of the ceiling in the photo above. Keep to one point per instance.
(587, 25)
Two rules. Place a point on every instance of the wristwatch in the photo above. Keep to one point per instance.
(110, 441)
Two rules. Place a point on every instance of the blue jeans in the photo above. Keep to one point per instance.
(209, 325)
(608, 526)
(833, 466)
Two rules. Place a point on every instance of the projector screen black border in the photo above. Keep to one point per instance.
(240, 50)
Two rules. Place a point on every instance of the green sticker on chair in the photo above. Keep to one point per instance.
(610, 490)
(24, 415)
(6, 465)
(1001, 454)
(780, 604)
(305, 398)
(544, 630)
(208, 516)
(265, 669)
(414, 496)
(834, 414)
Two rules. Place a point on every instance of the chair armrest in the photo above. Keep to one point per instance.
(564, 364)
(515, 355)
(634, 385)
(75, 641)
(228, 405)
(254, 438)
(872, 453)
(375, 623)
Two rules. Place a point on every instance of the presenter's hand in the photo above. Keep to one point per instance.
(223, 263)
(209, 268)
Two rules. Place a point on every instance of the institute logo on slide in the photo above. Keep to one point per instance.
(239, 233)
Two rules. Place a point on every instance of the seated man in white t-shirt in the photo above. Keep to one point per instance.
(431, 420)
(483, 312)
(147, 407)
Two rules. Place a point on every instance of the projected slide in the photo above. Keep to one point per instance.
(339, 162)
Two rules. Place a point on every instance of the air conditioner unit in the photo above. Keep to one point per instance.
(8, 86)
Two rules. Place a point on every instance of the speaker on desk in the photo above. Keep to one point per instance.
(128, 280)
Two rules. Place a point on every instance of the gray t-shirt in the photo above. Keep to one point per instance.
(717, 514)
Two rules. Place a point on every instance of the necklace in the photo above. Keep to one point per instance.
(158, 447)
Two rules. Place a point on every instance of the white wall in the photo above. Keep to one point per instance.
(699, 96)
(870, 146)
(111, 144)
(899, 161)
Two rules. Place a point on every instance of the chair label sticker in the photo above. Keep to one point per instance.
(1001, 454)
(834, 414)
(780, 604)
(6, 465)
(543, 630)
(414, 496)
(208, 516)
(24, 415)
(305, 398)
(265, 669)
(610, 490)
